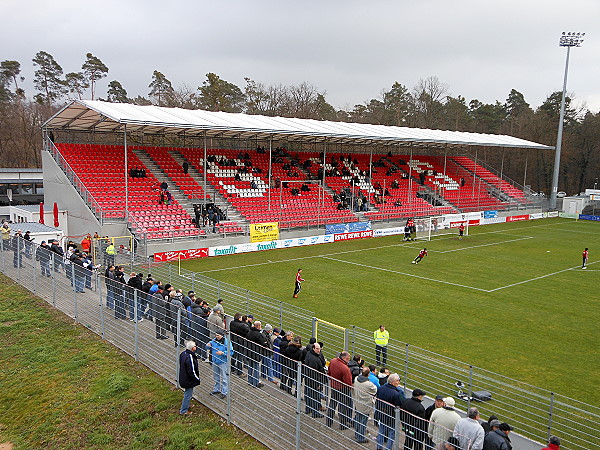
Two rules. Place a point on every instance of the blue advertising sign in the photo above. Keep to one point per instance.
(352, 227)
(588, 217)
(490, 214)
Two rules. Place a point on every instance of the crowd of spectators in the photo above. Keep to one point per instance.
(346, 390)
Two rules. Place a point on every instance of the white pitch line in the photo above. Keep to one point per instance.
(540, 277)
(402, 244)
(404, 273)
(483, 245)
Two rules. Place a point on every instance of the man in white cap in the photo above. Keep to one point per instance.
(442, 422)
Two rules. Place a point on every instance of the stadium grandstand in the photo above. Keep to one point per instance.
(168, 174)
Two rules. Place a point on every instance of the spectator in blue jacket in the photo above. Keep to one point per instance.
(389, 398)
(220, 349)
(373, 375)
(189, 376)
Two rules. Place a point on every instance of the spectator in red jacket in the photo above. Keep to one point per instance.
(553, 443)
(341, 391)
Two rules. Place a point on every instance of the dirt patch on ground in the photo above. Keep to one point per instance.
(6, 446)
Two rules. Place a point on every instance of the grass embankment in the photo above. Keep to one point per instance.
(62, 387)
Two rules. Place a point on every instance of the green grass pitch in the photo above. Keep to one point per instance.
(510, 298)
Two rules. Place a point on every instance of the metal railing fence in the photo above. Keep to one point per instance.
(536, 413)
(153, 331)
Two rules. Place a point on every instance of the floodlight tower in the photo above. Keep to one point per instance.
(570, 39)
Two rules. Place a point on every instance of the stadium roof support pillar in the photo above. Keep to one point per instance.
(324, 160)
(204, 168)
(126, 172)
(270, 167)
(525, 171)
(371, 165)
(410, 180)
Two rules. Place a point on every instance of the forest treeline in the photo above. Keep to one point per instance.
(426, 105)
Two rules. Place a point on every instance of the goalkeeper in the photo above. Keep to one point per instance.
(422, 254)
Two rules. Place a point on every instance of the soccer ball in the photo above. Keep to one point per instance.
(414, 262)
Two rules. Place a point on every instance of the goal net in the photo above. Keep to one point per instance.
(434, 226)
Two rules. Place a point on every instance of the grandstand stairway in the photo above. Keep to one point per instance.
(215, 196)
(500, 187)
(161, 176)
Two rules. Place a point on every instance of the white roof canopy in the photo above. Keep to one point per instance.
(90, 115)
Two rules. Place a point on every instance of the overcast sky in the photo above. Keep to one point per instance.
(350, 49)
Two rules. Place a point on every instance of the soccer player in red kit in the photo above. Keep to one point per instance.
(299, 281)
(461, 231)
(422, 254)
(584, 255)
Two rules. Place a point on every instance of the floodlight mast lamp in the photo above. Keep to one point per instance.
(570, 39)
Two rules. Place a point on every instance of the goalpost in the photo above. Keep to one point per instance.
(434, 226)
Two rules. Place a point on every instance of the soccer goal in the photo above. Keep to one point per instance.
(434, 226)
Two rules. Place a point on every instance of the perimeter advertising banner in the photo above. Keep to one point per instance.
(311, 240)
(350, 227)
(181, 254)
(260, 232)
(356, 235)
(517, 218)
(589, 217)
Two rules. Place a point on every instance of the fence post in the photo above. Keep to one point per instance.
(136, 324)
(346, 338)
(194, 281)
(405, 366)
(397, 428)
(177, 334)
(470, 386)
(34, 278)
(99, 286)
(18, 259)
(170, 272)
(2, 247)
(74, 291)
(228, 375)
(53, 272)
(247, 302)
(218, 288)
(313, 329)
(353, 339)
(298, 402)
(280, 315)
(550, 412)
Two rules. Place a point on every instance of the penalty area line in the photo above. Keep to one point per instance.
(484, 245)
(540, 277)
(404, 273)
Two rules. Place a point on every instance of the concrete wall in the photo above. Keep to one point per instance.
(58, 188)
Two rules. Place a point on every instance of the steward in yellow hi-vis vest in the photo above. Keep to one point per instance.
(381, 336)
(111, 252)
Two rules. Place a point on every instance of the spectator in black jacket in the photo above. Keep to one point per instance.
(257, 349)
(145, 297)
(133, 297)
(189, 376)
(413, 417)
(199, 326)
(314, 379)
(42, 255)
(292, 353)
(119, 292)
(158, 306)
(57, 260)
(283, 366)
(239, 330)
(355, 365)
